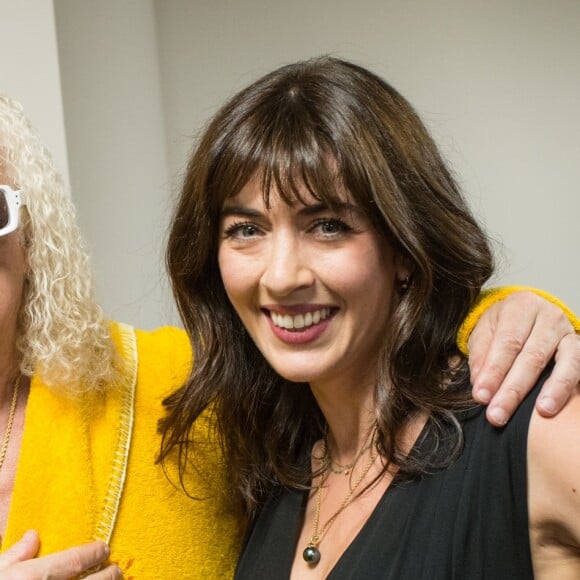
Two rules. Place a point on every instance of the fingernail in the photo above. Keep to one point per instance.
(547, 404)
(483, 396)
(498, 415)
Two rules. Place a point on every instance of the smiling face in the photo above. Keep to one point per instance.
(314, 287)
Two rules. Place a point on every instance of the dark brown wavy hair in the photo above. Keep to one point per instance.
(312, 123)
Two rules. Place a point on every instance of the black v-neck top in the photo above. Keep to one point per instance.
(466, 522)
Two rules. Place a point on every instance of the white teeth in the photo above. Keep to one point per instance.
(299, 321)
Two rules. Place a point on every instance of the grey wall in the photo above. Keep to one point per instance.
(114, 123)
(497, 82)
(29, 69)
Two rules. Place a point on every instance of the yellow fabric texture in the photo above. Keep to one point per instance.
(65, 466)
(489, 297)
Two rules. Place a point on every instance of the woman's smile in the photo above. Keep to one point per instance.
(307, 325)
(307, 282)
(300, 321)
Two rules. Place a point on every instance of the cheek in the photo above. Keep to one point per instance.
(224, 268)
(227, 272)
(237, 276)
(370, 285)
(360, 270)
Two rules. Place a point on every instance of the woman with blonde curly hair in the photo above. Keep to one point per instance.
(80, 398)
(62, 329)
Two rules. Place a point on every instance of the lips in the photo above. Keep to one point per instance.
(301, 320)
(299, 324)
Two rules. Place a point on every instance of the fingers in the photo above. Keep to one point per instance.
(535, 355)
(564, 379)
(112, 572)
(19, 561)
(497, 340)
(479, 343)
(25, 549)
(513, 344)
(72, 562)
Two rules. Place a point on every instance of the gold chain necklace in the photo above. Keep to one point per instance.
(11, 414)
(327, 462)
(311, 553)
(348, 467)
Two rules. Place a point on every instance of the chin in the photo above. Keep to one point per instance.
(297, 367)
(295, 375)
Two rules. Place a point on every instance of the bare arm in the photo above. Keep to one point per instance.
(554, 493)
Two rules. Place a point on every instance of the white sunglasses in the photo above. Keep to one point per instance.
(10, 203)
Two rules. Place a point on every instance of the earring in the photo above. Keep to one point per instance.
(404, 284)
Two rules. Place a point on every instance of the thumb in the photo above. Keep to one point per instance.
(25, 549)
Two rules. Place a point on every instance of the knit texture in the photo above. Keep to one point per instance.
(65, 467)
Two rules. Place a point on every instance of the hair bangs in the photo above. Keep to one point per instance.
(287, 150)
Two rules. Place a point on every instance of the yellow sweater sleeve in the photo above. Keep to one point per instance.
(489, 297)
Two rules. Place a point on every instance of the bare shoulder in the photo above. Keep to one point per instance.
(554, 493)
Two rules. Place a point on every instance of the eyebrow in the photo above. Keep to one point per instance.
(306, 210)
(240, 210)
(339, 206)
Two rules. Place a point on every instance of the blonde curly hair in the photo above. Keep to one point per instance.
(63, 336)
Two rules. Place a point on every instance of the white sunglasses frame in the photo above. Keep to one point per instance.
(15, 200)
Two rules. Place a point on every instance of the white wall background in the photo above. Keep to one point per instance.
(114, 122)
(29, 70)
(497, 81)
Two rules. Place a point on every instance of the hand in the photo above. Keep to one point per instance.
(19, 562)
(510, 346)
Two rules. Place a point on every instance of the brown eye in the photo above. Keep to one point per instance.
(242, 230)
(331, 227)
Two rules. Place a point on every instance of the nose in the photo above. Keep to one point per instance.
(288, 266)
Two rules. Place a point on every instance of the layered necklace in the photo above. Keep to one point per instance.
(312, 553)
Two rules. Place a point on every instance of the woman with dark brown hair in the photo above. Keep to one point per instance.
(323, 260)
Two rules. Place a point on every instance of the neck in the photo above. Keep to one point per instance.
(350, 416)
(8, 373)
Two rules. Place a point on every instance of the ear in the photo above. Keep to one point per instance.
(24, 248)
(404, 272)
(26, 267)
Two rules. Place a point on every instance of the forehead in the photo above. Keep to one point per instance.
(294, 193)
(7, 176)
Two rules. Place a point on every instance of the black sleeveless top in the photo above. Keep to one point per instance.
(466, 522)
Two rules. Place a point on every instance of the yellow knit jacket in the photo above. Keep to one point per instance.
(73, 484)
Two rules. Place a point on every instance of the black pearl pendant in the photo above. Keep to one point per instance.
(311, 555)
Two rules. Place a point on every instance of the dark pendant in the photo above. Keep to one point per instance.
(311, 555)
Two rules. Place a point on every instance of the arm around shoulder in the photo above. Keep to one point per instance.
(491, 296)
(554, 492)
